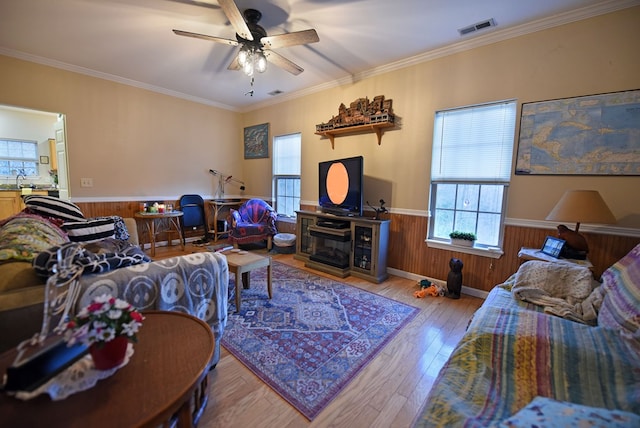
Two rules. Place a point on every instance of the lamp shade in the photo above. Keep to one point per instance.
(582, 206)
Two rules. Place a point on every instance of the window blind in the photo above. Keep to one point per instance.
(474, 143)
(286, 155)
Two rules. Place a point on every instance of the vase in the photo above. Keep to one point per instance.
(461, 242)
(109, 354)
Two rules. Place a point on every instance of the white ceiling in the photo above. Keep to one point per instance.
(131, 41)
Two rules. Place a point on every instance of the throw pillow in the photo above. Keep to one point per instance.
(621, 304)
(54, 207)
(26, 235)
(91, 230)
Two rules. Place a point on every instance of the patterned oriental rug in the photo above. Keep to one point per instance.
(313, 337)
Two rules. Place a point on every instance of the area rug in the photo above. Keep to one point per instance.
(313, 337)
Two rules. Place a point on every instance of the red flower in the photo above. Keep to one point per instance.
(94, 307)
(137, 316)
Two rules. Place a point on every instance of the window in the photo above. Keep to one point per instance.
(18, 157)
(286, 174)
(470, 171)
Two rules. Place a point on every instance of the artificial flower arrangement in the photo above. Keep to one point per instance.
(53, 173)
(103, 320)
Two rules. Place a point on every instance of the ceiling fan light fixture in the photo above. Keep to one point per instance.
(248, 68)
(261, 62)
(243, 56)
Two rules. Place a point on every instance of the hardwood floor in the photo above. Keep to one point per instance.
(388, 392)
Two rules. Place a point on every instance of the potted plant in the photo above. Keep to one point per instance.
(463, 239)
(106, 326)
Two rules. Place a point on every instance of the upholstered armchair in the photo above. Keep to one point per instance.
(253, 221)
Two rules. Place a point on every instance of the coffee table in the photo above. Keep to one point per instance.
(166, 377)
(241, 264)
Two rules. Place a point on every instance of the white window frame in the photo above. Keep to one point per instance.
(288, 171)
(453, 166)
(12, 165)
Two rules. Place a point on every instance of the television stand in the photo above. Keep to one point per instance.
(343, 246)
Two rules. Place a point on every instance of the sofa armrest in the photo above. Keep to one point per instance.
(132, 228)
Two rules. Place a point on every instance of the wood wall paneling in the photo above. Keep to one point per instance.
(409, 252)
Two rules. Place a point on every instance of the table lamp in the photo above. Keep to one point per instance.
(580, 206)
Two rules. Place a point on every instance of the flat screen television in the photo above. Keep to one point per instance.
(340, 186)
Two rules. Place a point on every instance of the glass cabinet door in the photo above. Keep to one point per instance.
(363, 254)
(304, 240)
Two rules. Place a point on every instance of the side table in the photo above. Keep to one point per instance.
(166, 378)
(149, 223)
(536, 254)
(217, 206)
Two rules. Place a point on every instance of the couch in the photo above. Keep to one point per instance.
(569, 359)
(196, 284)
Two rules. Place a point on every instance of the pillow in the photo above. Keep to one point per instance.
(121, 231)
(91, 230)
(54, 207)
(26, 235)
(620, 308)
(543, 412)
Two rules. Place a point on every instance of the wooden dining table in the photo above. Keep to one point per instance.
(165, 381)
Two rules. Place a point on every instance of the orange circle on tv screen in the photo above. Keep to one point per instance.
(337, 183)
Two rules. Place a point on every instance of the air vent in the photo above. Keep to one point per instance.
(276, 92)
(476, 27)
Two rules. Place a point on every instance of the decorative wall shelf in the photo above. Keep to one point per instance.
(378, 128)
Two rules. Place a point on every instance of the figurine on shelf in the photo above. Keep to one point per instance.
(380, 210)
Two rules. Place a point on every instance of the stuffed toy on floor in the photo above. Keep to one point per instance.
(429, 289)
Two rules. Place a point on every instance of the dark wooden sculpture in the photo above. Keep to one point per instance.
(454, 279)
(360, 112)
(573, 239)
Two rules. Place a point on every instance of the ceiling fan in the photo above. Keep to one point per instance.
(255, 46)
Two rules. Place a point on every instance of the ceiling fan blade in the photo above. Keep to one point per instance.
(205, 37)
(235, 18)
(290, 39)
(283, 63)
(235, 65)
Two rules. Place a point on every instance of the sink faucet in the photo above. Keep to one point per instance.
(18, 176)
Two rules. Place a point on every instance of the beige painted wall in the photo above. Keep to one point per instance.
(136, 143)
(593, 56)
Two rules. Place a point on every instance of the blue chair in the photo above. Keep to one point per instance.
(194, 216)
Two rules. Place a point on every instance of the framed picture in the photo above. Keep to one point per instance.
(44, 160)
(588, 135)
(256, 141)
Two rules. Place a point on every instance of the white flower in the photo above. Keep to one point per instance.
(102, 299)
(114, 314)
(130, 328)
(107, 334)
(121, 304)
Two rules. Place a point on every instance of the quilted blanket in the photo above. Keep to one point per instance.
(562, 289)
(514, 352)
(195, 284)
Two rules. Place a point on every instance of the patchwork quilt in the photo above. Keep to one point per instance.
(513, 352)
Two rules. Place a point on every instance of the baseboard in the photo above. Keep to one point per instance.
(465, 290)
